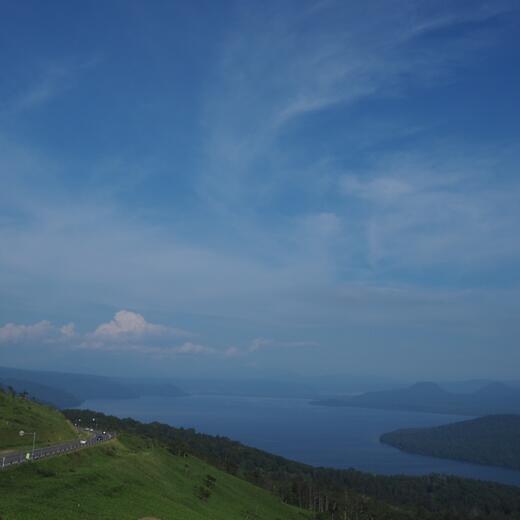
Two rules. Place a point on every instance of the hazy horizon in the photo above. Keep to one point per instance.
(244, 189)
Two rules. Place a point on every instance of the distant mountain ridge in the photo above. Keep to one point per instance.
(493, 398)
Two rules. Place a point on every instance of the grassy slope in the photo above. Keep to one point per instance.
(131, 478)
(19, 414)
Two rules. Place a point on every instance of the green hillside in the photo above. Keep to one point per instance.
(17, 413)
(131, 478)
(492, 440)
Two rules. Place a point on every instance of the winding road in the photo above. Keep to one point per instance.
(20, 457)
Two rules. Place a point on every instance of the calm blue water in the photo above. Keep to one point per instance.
(317, 435)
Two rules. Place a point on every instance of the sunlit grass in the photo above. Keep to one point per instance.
(131, 479)
(18, 414)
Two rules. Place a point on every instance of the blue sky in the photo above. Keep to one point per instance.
(260, 188)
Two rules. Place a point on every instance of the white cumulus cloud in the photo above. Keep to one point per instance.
(128, 325)
(40, 332)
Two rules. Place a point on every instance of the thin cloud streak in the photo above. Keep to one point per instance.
(51, 82)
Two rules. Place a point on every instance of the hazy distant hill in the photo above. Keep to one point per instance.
(492, 440)
(289, 386)
(251, 387)
(493, 398)
(465, 387)
(64, 389)
(42, 393)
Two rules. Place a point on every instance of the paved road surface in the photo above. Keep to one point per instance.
(20, 457)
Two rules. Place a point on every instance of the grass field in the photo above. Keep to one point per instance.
(18, 414)
(130, 478)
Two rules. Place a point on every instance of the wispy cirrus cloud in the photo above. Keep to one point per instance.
(51, 83)
(189, 348)
(48, 82)
(283, 66)
(422, 211)
(264, 344)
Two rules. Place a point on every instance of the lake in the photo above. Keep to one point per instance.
(317, 435)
